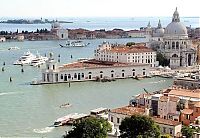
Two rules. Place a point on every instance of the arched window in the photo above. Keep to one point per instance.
(69, 76)
(174, 55)
(112, 71)
(90, 73)
(61, 76)
(173, 45)
(75, 75)
(123, 70)
(133, 70)
(101, 71)
(144, 69)
(82, 75)
(177, 45)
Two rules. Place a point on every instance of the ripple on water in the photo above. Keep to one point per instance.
(43, 130)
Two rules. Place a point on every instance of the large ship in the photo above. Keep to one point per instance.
(74, 44)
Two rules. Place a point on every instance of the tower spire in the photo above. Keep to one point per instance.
(149, 25)
(159, 24)
(176, 17)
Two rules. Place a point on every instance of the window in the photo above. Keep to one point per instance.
(171, 131)
(111, 119)
(144, 73)
(75, 75)
(53, 67)
(118, 120)
(82, 75)
(173, 45)
(164, 129)
(188, 117)
(69, 76)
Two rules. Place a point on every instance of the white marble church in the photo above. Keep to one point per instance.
(175, 44)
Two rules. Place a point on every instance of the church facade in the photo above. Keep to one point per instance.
(175, 44)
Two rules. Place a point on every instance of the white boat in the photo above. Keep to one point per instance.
(74, 44)
(69, 119)
(25, 59)
(13, 48)
(38, 60)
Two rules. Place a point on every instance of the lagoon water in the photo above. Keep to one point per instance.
(27, 111)
(108, 23)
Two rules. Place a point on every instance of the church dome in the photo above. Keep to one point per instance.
(159, 30)
(176, 28)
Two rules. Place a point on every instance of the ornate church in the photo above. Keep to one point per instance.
(174, 43)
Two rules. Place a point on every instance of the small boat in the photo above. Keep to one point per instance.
(74, 44)
(65, 105)
(13, 48)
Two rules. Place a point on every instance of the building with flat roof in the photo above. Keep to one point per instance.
(92, 69)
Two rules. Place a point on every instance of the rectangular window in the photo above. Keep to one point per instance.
(164, 129)
(111, 119)
(171, 131)
(118, 120)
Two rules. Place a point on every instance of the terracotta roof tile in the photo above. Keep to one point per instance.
(129, 110)
(166, 122)
(187, 111)
(96, 64)
(185, 92)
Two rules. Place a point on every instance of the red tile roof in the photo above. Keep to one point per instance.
(187, 111)
(96, 64)
(138, 48)
(128, 110)
(166, 121)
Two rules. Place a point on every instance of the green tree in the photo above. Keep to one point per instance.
(165, 136)
(89, 128)
(139, 126)
(130, 44)
(187, 131)
(162, 60)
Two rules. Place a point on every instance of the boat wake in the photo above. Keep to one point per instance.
(160, 81)
(8, 93)
(43, 130)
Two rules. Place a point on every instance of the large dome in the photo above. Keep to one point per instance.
(176, 28)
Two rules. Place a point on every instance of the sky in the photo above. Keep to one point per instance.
(97, 8)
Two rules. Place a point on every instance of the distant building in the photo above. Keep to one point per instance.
(58, 31)
(20, 37)
(2, 39)
(137, 53)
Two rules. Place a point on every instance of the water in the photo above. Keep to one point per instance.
(126, 23)
(28, 111)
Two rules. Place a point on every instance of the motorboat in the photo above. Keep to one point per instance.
(25, 59)
(74, 44)
(66, 105)
(13, 48)
(38, 60)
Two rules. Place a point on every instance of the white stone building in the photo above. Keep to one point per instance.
(176, 45)
(58, 31)
(91, 70)
(138, 53)
(2, 39)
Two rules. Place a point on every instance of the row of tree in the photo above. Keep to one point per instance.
(136, 126)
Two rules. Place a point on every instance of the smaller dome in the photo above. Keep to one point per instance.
(159, 32)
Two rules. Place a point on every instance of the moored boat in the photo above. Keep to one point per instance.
(25, 59)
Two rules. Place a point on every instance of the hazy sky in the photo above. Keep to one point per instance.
(97, 8)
